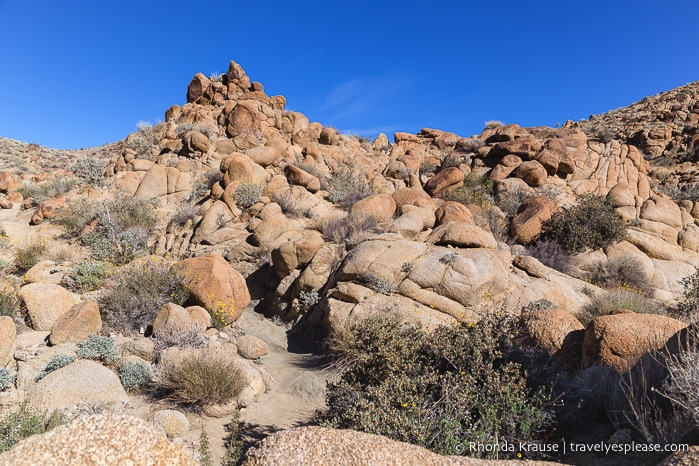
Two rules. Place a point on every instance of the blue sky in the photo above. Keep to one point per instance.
(83, 73)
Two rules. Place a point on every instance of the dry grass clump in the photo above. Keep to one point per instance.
(290, 205)
(620, 272)
(199, 378)
(611, 300)
(350, 230)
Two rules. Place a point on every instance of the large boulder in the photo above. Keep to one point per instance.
(214, 285)
(462, 235)
(532, 213)
(45, 303)
(80, 380)
(315, 446)
(620, 339)
(532, 173)
(105, 439)
(555, 331)
(381, 206)
(78, 323)
(446, 179)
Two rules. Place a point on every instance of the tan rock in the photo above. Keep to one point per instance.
(549, 329)
(172, 315)
(196, 144)
(45, 303)
(410, 196)
(199, 315)
(46, 271)
(660, 209)
(462, 235)
(622, 194)
(313, 446)
(381, 206)
(154, 183)
(251, 347)
(451, 211)
(78, 323)
(197, 87)
(7, 181)
(8, 334)
(106, 439)
(47, 209)
(214, 285)
(173, 422)
(300, 177)
(527, 223)
(81, 380)
(619, 340)
(532, 173)
(449, 178)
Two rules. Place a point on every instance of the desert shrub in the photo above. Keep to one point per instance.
(290, 205)
(145, 137)
(9, 300)
(439, 389)
(350, 230)
(55, 363)
(686, 309)
(246, 195)
(476, 190)
(308, 299)
(448, 258)
(470, 145)
(76, 215)
(189, 336)
(620, 272)
(592, 224)
(604, 303)
(87, 276)
(90, 170)
(492, 124)
(47, 189)
(122, 230)
(204, 449)
(7, 379)
(346, 186)
(311, 169)
(510, 201)
(453, 159)
(379, 284)
(24, 423)
(27, 256)
(99, 348)
(688, 192)
(428, 167)
(203, 186)
(185, 212)
(134, 375)
(199, 378)
(551, 254)
(138, 292)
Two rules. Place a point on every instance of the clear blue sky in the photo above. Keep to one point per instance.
(82, 73)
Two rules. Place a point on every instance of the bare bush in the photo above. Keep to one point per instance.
(350, 230)
(551, 255)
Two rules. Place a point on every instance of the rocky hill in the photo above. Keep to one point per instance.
(268, 214)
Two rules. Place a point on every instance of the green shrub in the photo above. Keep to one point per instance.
(608, 301)
(199, 378)
(204, 450)
(138, 291)
(99, 348)
(87, 276)
(439, 389)
(134, 375)
(24, 423)
(234, 445)
(55, 363)
(246, 195)
(476, 190)
(7, 379)
(90, 170)
(76, 215)
(592, 224)
(27, 257)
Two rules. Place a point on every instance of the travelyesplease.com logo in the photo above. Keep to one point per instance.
(523, 450)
